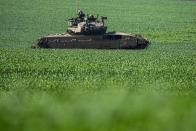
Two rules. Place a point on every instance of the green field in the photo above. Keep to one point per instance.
(80, 89)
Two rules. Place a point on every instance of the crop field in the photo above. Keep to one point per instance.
(87, 89)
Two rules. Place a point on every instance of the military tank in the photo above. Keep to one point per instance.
(88, 32)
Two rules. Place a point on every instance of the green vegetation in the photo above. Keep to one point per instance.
(151, 89)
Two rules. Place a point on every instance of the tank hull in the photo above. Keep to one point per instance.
(111, 40)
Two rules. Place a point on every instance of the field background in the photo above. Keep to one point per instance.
(53, 89)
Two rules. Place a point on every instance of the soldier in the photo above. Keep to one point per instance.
(91, 18)
(81, 15)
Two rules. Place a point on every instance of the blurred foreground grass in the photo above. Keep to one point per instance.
(116, 109)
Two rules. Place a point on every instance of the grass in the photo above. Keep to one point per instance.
(151, 89)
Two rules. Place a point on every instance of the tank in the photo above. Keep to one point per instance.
(88, 32)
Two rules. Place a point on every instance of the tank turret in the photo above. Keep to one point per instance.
(88, 25)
